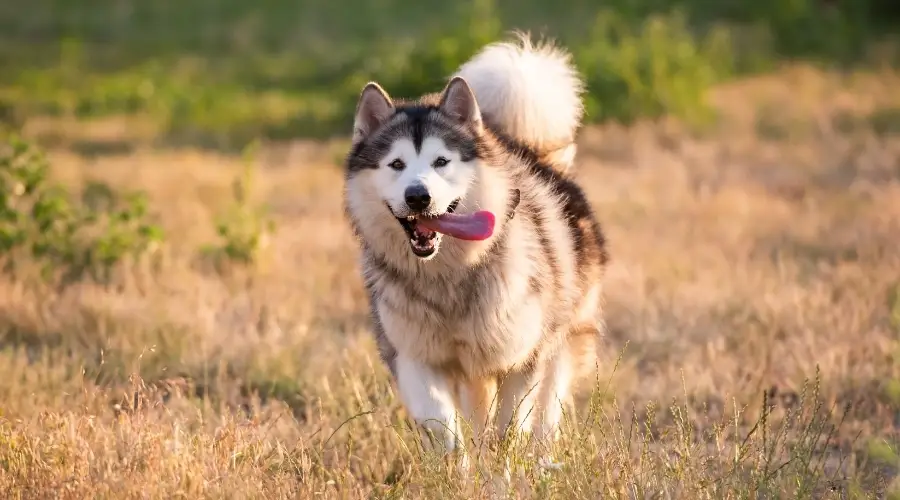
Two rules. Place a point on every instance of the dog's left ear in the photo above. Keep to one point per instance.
(459, 102)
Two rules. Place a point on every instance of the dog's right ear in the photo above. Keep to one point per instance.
(373, 109)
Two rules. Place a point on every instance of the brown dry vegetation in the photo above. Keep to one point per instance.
(744, 259)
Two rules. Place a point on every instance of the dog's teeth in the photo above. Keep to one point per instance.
(410, 217)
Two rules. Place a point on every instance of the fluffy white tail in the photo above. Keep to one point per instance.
(531, 93)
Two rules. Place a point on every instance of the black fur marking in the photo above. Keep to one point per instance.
(576, 207)
(417, 122)
(416, 119)
(553, 265)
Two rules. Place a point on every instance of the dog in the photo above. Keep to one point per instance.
(481, 256)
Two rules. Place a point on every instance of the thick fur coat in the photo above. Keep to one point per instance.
(494, 328)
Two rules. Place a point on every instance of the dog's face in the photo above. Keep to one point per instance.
(410, 165)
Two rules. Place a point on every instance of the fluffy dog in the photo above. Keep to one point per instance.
(482, 257)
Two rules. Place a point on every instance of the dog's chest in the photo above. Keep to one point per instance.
(490, 328)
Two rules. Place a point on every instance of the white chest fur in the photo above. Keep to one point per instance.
(501, 325)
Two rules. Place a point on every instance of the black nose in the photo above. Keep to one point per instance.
(417, 197)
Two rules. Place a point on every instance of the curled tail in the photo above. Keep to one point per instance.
(531, 93)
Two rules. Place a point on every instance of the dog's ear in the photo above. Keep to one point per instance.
(458, 101)
(373, 109)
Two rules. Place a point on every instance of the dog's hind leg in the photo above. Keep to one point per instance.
(575, 359)
(478, 403)
(530, 402)
(517, 400)
(553, 396)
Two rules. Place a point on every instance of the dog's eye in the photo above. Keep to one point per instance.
(440, 162)
(397, 164)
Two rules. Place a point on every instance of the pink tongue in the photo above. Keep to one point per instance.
(475, 226)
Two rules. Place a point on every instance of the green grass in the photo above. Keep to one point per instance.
(223, 73)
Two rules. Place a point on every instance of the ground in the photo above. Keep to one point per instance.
(748, 258)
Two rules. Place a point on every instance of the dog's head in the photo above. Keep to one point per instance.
(413, 169)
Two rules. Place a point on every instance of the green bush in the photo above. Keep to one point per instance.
(657, 67)
(243, 228)
(227, 74)
(69, 239)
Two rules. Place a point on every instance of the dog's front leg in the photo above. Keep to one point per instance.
(427, 394)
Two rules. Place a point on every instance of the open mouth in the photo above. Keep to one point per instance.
(425, 230)
(422, 240)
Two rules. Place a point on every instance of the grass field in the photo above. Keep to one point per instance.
(746, 261)
(752, 207)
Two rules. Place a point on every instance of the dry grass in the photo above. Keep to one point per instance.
(744, 259)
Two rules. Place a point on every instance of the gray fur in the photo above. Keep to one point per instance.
(525, 303)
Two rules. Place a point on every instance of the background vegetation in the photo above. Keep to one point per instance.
(180, 312)
(225, 72)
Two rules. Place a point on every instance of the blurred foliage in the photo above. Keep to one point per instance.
(70, 239)
(243, 229)
(224, 72)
